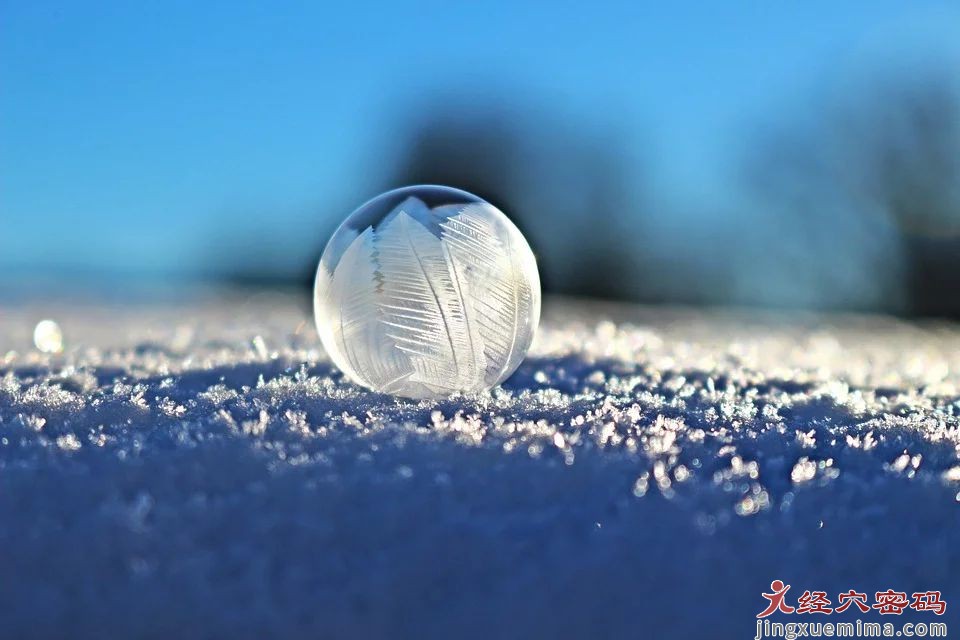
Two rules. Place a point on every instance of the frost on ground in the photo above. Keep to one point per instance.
(645, 473)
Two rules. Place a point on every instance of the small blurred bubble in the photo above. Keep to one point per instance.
(48, 337)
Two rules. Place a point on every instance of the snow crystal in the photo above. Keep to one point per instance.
(804, 470)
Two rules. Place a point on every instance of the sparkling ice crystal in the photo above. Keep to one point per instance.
(426, 291)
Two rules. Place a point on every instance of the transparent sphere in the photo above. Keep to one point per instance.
(425, 291)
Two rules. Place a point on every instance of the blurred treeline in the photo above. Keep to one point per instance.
(851, 202)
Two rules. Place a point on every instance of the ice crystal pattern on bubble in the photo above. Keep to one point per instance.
(429, 302)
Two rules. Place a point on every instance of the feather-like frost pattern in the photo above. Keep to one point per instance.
(498, 281)
(422, 302)
(370, 355)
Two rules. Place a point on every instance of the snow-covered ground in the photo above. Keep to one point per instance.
(645, 473)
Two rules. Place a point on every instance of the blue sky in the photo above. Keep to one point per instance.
(133, 135)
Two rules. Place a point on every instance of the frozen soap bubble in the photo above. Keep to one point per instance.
(426, 291)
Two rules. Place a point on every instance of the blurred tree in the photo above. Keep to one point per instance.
(564, 187)
(867, 199)
(912, 143)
